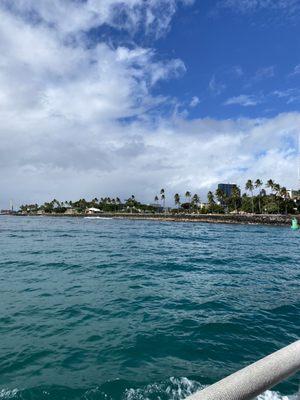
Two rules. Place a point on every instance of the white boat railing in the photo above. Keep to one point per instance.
(256, 378)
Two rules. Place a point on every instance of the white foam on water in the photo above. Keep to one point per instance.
(171, 389)
(8, 393)
(180, 388)
(98, 218)
(269, 395)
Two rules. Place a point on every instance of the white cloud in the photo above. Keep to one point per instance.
(290, 95)
(265, 73)
(261, 75)
(216, 87)
(286, 7)
(242, 100)
(42, 73)
(153, 16)
(116, 159)
(296, 70)
(75, 120)
(237, 70)
(195, 101)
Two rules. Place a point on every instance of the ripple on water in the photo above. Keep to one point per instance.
(111, 309)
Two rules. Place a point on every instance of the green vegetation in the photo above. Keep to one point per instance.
(254, 200)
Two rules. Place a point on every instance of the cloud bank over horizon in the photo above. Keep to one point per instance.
(83, 112)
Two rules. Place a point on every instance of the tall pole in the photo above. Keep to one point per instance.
(298, 157)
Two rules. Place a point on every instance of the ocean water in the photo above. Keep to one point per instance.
(136, 310)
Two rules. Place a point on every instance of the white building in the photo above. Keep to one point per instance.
(93, 210)
(293, 194)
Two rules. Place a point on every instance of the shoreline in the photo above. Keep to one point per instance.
(248, 219)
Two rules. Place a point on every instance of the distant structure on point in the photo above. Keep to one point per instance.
(9, 211)
(227, 188)
(298, 161)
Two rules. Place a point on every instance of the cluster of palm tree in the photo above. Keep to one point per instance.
(82, 203)
(277, 191)
(258, 199)
(162, 197)
(107, 204)
(57, 206)
(190, 200)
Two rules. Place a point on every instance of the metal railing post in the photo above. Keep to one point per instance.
(253, 380)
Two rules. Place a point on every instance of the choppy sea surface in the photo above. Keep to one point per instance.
(136, 310)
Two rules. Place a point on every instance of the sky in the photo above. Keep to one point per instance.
(113, 98)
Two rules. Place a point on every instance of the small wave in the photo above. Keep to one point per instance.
(170, 389)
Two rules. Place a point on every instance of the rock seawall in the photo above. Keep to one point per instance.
(251, 219)
(214, 218)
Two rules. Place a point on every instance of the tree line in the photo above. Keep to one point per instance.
(255, 199)
(105, 204)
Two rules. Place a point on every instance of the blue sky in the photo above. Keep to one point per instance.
(231, 54)
(112, 98)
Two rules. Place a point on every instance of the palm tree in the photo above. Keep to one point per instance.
(94, 202)
(177, 199)
(195, 200)
(163, 197)
(156, 199)
(285, 196)
(210, 198)
(130, 203)
(113, 202)
(270, 185)
(118, 202)
(222, 198)
(236, 194)
(188, 196)
(258, 184)
(277, 188)
(220, 195)
(249, 186)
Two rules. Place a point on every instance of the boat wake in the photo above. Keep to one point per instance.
(170, 389)
(98, 218)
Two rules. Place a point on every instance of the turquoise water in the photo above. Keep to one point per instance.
(133, 310)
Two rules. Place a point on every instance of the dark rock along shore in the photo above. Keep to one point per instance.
(263, 219)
